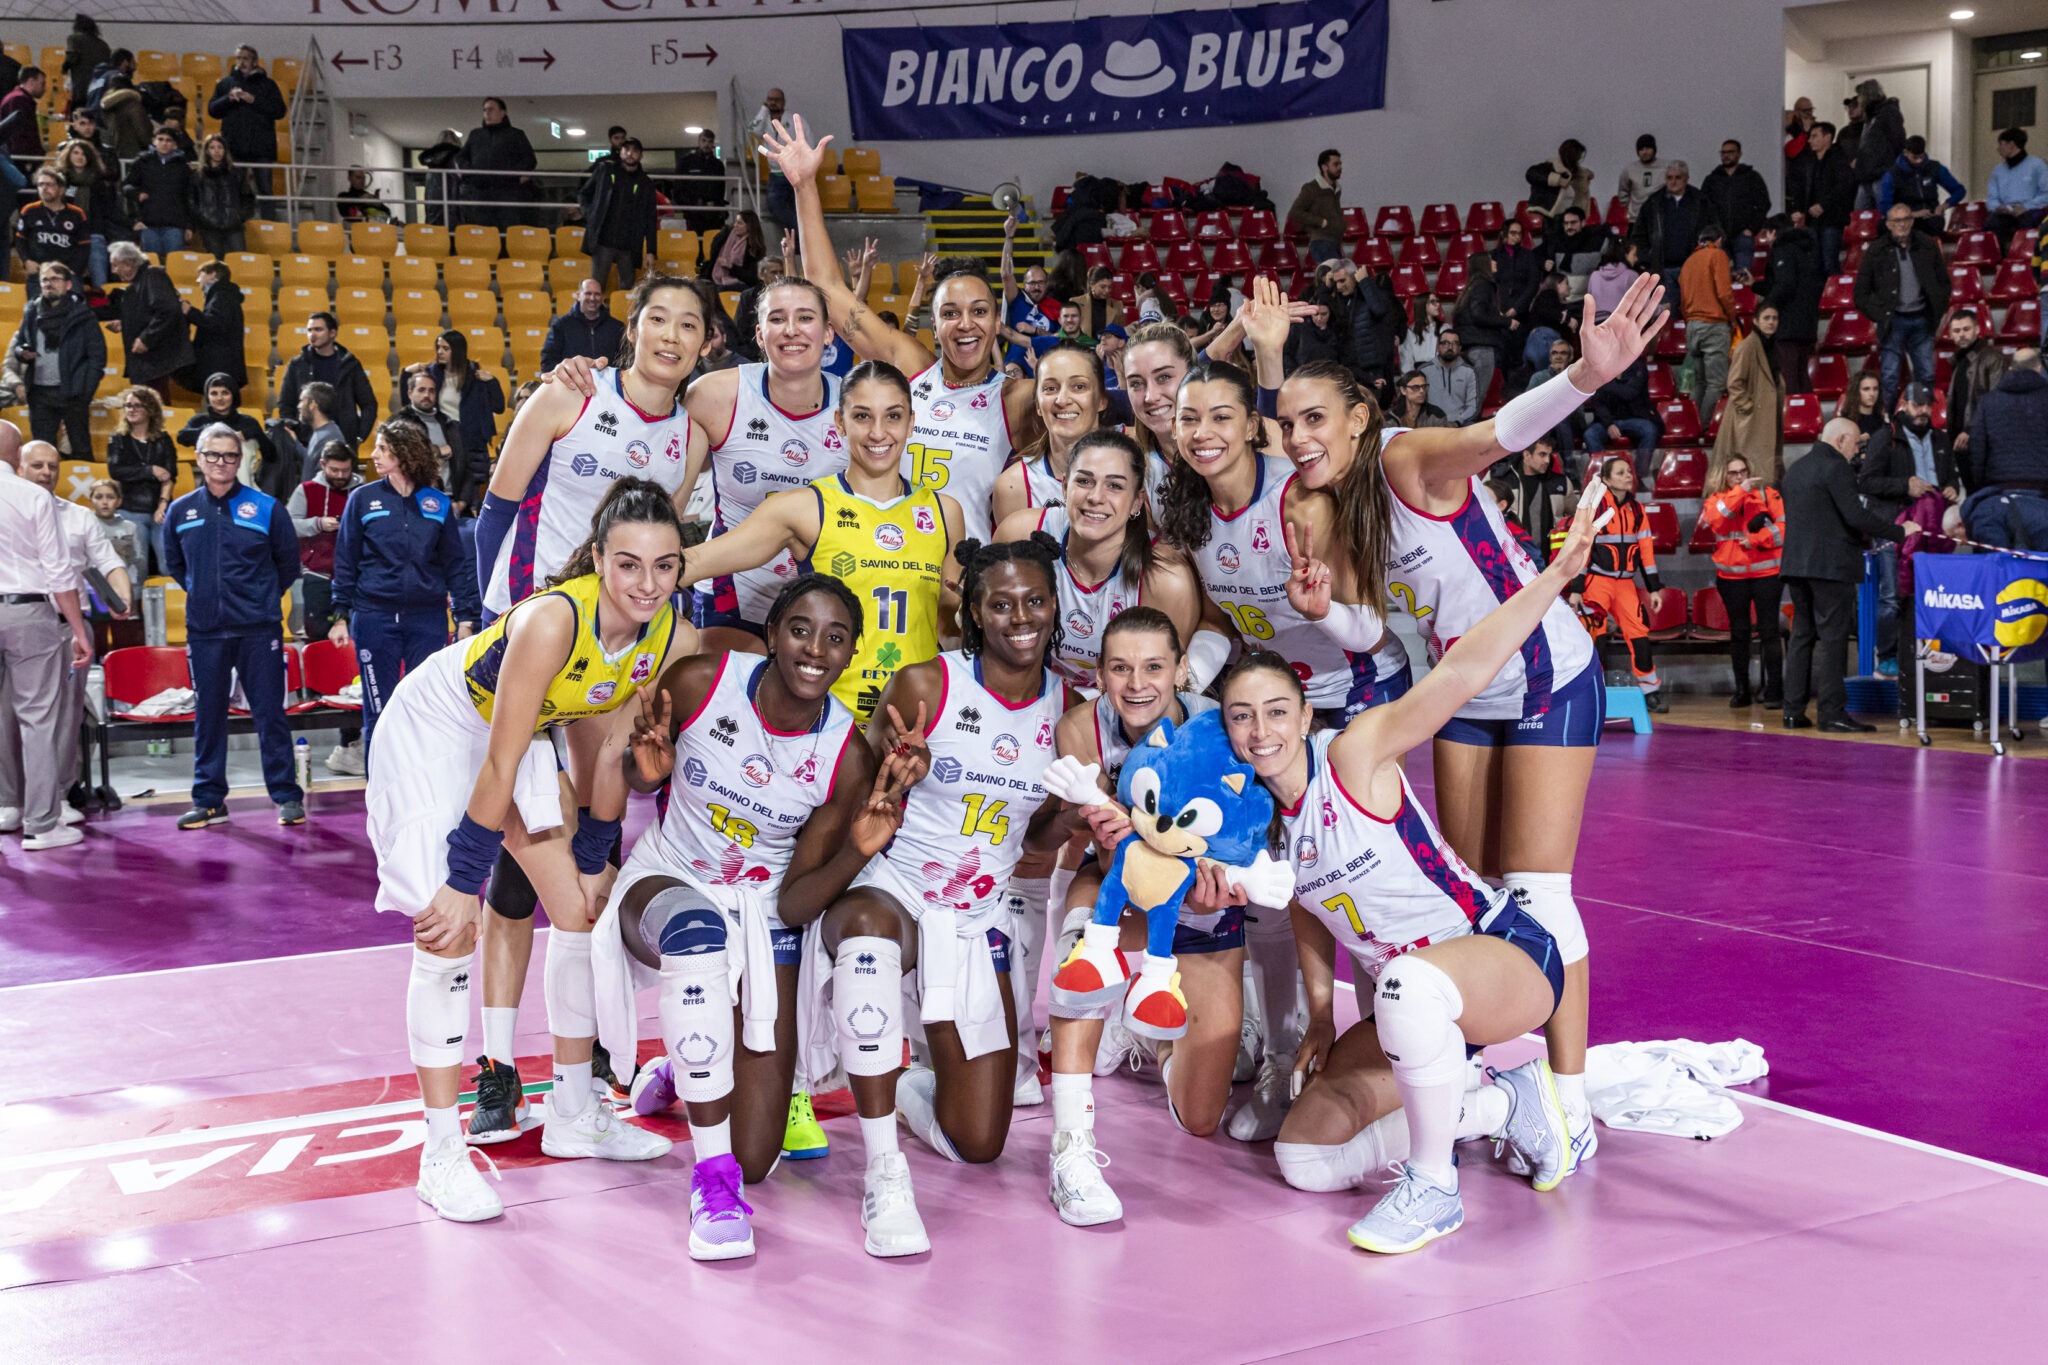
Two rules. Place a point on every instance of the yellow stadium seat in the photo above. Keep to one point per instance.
(566, 272)
(415, 344)
(380, 384)
(729, 299)
(361, 272)
(358, 305)
(21, 53)
(565, 299)
(676, 244)
(251, 269)
(616, 301)
(879, 299)
(859, 161)
(529, 243)
(256, 347)
(426, 239)
(836, 193)
(183, 266)
(466, 272)
(285, 71)
(906, 276)
(367, 344)
(256, 302)
(526, 343)
(295, 302)
(373, 239)
(416, 307)
(415, 272)
(472, 307)
(308, 272)
(473, 240)
(516, 274)
(875, 193)
(271, 238)
(569, 239)
(150, 65)
(318, 238)
(486, 345)
(202, 66)
(670, 266)
(527, 307)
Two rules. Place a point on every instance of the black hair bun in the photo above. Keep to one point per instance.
(966, 550)
(1048, 545)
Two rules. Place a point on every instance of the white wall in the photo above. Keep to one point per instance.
(1825, 72)
(1477, 90)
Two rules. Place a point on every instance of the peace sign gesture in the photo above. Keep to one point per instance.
(1608, 348)
(907, 743)
(882, 815)
(1308, 578)
(653, 741)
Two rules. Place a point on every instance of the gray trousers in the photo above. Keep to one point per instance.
(604, 260)
(35, 687)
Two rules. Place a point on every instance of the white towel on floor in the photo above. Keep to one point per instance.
(1671, 1087)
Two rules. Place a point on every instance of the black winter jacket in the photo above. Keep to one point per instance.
(81, 347)
(250, 130)
(1877, 280)
(1794, 284)
(1884, 137)
(1740, 199)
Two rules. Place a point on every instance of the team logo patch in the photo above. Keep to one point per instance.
(1080, 624)
(1329, 815)
(943, 410)
(245, 509)
(744, 473)
(843, 565)
(946, 769)
(980, 402)
(807, 771)
(1226, 557)
(1006, 749)
(889, 536)
(601, 692)
(1262, 543)
(643, 667)
(583, 466)
(833, 440)
(639, 455)
(1305, 851)
(1044, 736)
(673, 452)
(795, 453)
(694, 771)
(926, 522)
(758, 770)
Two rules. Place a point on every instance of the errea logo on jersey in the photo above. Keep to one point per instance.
(757, 428)
(968, 720)
(1226, 557)
(890, 536)
(608, 423)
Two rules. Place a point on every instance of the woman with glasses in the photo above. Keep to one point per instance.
(1411, 406)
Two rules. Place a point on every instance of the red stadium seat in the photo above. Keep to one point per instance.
(1838, 293)
(1394, 221)
(1970, 217)
(1258, 226)
(2022, 324)
(1139, 256)
(2022, 248)
(1231, 257)
(1419, 251)
(1702, 542)
(1617, 214)
(1829, 375)
(1965, 285)
(1060, 194)
(1745, 302)
(1864, 226)
(2014, 280)
(1709, 615)
(1486, 218)
(1124, 289)
(1174, 289)
(1093, 254)
(136, 674)
(1439, 220)
(1213, 225)
(1374, 253)
(1408, 280)
(1852, 258)
(1669, 621)
(1531, 221)
(1186, 258)
(1663, 518)
(1681, 421)
(1206, 285)
(1976, 248)
(1941, 406)
(1803, 415)
(1714, 418)
(1671, 341)
(1682, 474)
(329, 667)
(1168, 227)
(1945, 359)
(1451, 279)
(1278, 257)
(1593, 214)
(1356, 224)
(1463, 247)
(1662, 386)
(1850, 332)
(1496, 393)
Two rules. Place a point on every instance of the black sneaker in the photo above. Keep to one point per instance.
(83, 798)
(500, 1103)
(291, 813)
(199, 817)
(601, 1070)
(1654, 701)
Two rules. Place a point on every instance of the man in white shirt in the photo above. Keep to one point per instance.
(36, 573)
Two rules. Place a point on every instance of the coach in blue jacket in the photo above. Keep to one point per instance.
(399, 563)
(234, 552)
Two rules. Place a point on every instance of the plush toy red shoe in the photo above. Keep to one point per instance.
(1155, 1007)
(1095, 973)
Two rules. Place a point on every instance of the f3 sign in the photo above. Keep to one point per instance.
(1190, 69)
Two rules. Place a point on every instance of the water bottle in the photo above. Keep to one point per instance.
(302, 762)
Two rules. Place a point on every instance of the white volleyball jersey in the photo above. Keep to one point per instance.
(1085, 609)
(1114, 745)
(1244, 568)
(1449, 572)
(1156, 470)
(959, 443)
(767, 450)
(611, 440)
(1382, 886)
(963, 825)
(1042, 488)
(741, 791)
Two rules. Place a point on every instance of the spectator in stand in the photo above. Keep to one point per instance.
(223, 199)
(316, 506)
(1612, 277)
(247, 104)
(1707, 295)
(21, 124)
(1863, 402)
(1852, 125)
(399, 567)
(1563, 182)
(422, 404)
(1792, 285)
(1548, 322)
(1747, 518)
(1639, 181)
(1576, 430)
(1024, 315)
(1371, 317)
(132, 546)
(2006, 465)
(56, 359)
(1623, 415)
(1798, 121)
(1214, 320)
(1097, 309)
(700, 161)
(97, 192)
(778, 200)
(1483, 326)
(1753, 426)
(35, 663)
(588, 329)
(734, 259)
(1317, 212)
(1826, 194)
(1825, 523)
(262, 467)
(1974, 371)
(1608, 585)
(217, 328)
(154, 339)
(1417, 342)
(359, 203)
(1882, 140)
(232, 549)
(1739, 200)
(1906, 460)
(471, 399)
(1575, 249)
(1903, 287)
(1668, 228)
(173, 122)
(1410, 405)
(1453, 382)
(127, 128)
(441, 187)
(84, 51)
(52, 230)
(142, 459)
(327, 360)
(85, 125)
(1538, 492)
(159, 187)
(496, 145)
(2018, 192)
(1518, 270)
(620, 223)
(1313, 338)
(1918, 181)
(316, 420)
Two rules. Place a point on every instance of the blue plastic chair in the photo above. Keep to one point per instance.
(1626, 703)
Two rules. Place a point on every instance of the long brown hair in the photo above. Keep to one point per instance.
(1176, 340)
(1042, 443)
(1265, 661)
(413, 451)
(1184, 501)
(1479, 267)
(1365, 506)
(640, 501)
(1137, 556)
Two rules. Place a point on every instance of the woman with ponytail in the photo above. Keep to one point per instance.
(1072, 395)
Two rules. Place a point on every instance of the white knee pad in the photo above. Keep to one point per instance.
(867, 1005)
(1547, 898)
(1321, 1169)
(437, 1007)
(1415, 1008)
(697, 1024)
(570, 988)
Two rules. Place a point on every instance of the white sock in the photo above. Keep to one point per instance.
(572, 1088)
(711, 1139)
(917, 1104)
(442, 1124)
(1415, 1006)
(1484, 1113)
(499, 1023)
(878, 1135)
(1073, 1102)
(1028, 899)
(1572, 1090)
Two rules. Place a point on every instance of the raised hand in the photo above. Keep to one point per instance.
(908, 742)
(1571, 557)
(882, 815)
(794, 154)
(653, 742)
(928, 266)
(1607, 348)
(1308, 578)
(1265, 316)
(1010, 227)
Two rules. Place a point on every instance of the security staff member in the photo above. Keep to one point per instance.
(234, 552)
(398, 564)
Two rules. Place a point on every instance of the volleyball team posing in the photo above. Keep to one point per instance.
(924, 584)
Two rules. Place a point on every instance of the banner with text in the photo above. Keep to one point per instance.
(1986, 607)
(1191, 69)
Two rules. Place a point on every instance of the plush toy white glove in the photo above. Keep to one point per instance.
(1074, 782)
(1268, 881)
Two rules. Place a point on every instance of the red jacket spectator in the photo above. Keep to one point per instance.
(21, 129)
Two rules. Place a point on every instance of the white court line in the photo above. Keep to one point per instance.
(216, 966)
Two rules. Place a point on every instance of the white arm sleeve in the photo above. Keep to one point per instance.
(1357, 628)
(1207, 653)
(1534, 411)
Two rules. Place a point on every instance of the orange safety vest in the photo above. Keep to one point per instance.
(1728, 516)
(1625, 543)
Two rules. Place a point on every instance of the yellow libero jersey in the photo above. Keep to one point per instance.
(891, 556)
(591, 682)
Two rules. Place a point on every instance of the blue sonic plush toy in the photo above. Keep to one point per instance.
(1189, 797)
